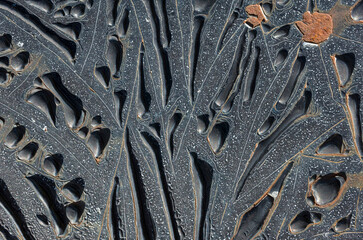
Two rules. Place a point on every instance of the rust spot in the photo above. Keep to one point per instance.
(98, 160)
(256, 15)
(355, 180)
(341, 15)
(316, 27)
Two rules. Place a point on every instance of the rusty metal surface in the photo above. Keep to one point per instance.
(200, 119)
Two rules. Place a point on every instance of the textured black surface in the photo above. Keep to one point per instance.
(177, 119)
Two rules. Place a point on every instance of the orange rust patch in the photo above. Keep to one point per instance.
(316, 27)
(256, 15)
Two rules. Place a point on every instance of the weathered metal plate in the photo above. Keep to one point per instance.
(201, 119)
